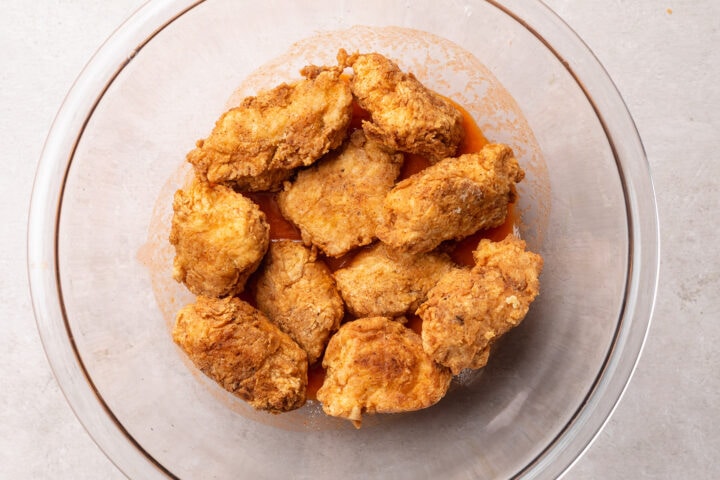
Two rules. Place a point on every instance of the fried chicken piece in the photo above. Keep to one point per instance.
(376, 365)
(337, 203)
(468, 310)
(450, 200)
(220, 238)
(256, 145)
(383, 282)
(405, 115)
(239, 348)
(298, 294)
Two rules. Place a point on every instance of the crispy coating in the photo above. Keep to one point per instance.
(298, 294)
(267, 181)
(405, 115)
(451, 199)
(219, 236)
(238, 347)
(377, 365)
(337, 203)
(468, 310)
(381, 282)
(256, 145)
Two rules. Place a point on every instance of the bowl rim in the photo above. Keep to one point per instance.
(149, 20)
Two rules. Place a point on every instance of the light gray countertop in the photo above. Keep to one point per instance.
(665, 60)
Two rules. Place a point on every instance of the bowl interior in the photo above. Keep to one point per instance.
(114, 259)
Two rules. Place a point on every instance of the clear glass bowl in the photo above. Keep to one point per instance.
(99, 259)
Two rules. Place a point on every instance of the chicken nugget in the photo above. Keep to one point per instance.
(337, 203)
(256, 145)
(377, 365)
(405, 115)
(298, 294)
(468, 310)
(239, 348)
(383, 282)
(450, 200)
(220, 238)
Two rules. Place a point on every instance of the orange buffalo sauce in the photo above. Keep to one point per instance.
(316, 377)
(461, 252)
(413, 164)
(280, 229)
(414, 323)
(474, 139)
(358, 115)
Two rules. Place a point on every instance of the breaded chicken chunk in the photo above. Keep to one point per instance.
(377, 365)
(468, 310)
(297, 293)
(220, 238)
(337, 203)
(256, 145)
(450, 200)
(238, 347)
(382, 282)
(405, 115)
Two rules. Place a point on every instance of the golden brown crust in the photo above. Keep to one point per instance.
(382, 282)
(238, 347)
(336, 203)
(340, 192)
(268, 181)
(468, 310)
(406, 116)
(256, 145)
(220, 238)
(450, 200)
(376, 365)
(298, 294)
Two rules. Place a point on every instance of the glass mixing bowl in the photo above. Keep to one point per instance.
(99, 261)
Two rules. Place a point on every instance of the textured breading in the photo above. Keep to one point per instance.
(337, 203)
(335, 182)
(468, 310)
(377, 365)
(297, 293)
(450, 200)
(219, 236)
(238, 347)
(382, 282)
(519, 267)
(405, 115)
(256, 145)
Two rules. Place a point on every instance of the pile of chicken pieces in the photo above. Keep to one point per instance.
(339, 186)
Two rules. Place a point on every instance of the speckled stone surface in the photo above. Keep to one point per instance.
(664, 59)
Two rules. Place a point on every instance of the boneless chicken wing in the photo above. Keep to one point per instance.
(383, 282)
(468, 310)
(337, 203)
(297, 292)
(450, 200)
(238, 347)
(405, 115)
(377, 365)
(219, 236)
(256, 145)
